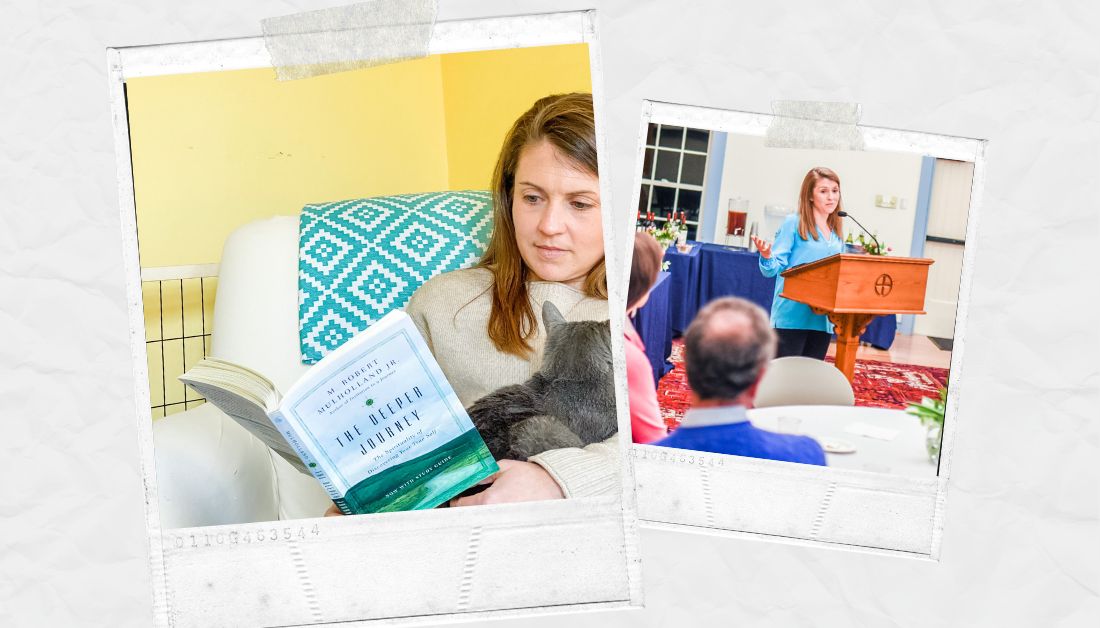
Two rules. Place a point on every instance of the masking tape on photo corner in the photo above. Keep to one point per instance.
(349, 38)
(808, 124)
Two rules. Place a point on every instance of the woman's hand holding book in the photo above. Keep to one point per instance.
(515, 482)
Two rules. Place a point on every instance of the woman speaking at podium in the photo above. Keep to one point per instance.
(811, 234)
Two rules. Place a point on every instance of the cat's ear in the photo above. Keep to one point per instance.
(551, 317)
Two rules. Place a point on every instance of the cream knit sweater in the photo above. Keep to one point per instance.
(452, 310)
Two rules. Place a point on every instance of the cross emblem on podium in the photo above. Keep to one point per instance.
(883, 285)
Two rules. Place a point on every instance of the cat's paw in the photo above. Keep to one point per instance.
(541, 433)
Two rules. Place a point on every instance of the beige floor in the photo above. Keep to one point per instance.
(917, 350)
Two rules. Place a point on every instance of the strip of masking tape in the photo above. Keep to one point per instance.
(808, 124)
(349, 38)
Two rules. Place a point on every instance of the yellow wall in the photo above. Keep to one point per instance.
(484, 92)
(215, 150)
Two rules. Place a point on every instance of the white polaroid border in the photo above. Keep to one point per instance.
(403, 568)
(803, 504)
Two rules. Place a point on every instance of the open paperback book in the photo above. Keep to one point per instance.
(375, 421)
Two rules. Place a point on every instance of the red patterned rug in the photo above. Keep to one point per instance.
(877, 385)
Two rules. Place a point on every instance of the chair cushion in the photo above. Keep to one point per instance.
(359, 259)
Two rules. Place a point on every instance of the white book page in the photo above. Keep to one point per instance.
(251, 417)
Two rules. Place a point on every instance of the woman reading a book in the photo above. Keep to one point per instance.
(483, 324)
(813, 233)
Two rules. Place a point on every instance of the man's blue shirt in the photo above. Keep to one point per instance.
(727, 430)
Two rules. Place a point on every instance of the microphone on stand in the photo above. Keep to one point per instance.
(844, 214)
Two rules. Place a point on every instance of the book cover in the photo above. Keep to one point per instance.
(377, 423)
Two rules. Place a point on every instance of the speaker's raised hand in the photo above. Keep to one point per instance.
(762, 246)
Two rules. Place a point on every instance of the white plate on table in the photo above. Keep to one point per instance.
(837, 446)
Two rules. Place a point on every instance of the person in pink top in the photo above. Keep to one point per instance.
(645, 415)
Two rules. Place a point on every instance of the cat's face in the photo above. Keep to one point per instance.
(578, 351)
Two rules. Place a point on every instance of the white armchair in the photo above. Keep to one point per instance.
(210, 470)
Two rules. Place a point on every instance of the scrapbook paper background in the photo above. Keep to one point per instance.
(1021, 536)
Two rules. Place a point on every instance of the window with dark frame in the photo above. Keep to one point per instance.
(674, 174)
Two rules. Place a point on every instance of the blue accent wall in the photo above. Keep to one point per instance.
(920, 225)
(716, 159)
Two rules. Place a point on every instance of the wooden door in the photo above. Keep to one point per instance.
(947, 212)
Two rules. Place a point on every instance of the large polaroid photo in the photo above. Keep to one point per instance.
(267, 223)
(838, 430)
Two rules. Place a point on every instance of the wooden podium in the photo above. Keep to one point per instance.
(854, 289)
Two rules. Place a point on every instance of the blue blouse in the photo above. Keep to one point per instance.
(790, 250)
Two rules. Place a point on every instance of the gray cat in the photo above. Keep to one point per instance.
(569, 402)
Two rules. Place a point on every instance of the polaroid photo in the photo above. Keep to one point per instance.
(802, 378)
(430, 202)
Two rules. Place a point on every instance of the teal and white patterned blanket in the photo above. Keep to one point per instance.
(359, 259)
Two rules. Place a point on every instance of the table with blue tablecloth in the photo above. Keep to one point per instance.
(652, 324)
(684, 291)
(707, 272)
(726, 272)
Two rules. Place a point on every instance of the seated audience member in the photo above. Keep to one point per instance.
(726, 349)
(646, 423)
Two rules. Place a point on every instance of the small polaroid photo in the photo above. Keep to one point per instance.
(377, 377)
(799, 294)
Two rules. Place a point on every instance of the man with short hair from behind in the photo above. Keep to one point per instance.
(726, 350)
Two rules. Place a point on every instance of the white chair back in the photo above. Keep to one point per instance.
(798, 381)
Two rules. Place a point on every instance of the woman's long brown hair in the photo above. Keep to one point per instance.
(568, 123)
(807, 224)
(645, 267)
